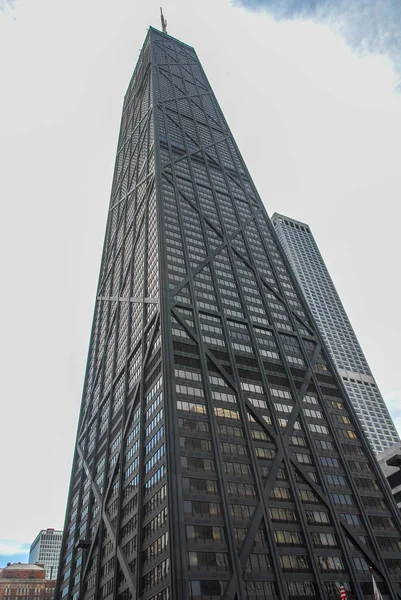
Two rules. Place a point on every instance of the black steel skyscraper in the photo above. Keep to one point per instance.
(217, 455)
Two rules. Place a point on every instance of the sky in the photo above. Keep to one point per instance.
(313, 101)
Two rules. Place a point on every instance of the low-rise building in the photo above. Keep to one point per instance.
(25, 581)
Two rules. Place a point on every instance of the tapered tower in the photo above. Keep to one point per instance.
(217, 454)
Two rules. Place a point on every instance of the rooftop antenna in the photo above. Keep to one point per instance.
(163, 20)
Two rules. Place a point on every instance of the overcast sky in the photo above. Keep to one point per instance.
(319, 125)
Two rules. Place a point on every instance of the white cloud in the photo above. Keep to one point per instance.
(12, 547)
(369, 28)
(7, 6)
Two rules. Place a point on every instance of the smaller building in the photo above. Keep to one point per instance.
(390, 462)
(46, 549)
(25, 581)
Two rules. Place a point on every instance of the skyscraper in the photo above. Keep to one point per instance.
(307, 263)
(46, 549)
(217, 455)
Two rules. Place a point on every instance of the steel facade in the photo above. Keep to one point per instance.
(217, 455)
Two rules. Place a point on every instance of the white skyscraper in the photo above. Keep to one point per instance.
(308, 265)
(46, 549)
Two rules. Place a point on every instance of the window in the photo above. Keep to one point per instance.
(265, 453)
(154, 525)
(308, 496)
(352, 519)
(324, 445)
(336, 480)
(333, 588)
(197, 464)
(156, 548)
(193, 425)
(163, 595)
(332, 463)
(317, 516)
(242, 512)
(246, 490)
(257, 563)
(389, 544)
(294, 562)
(362, 565)
(283, 514)
(256, 590)
(200, 486)
(382, 523)
(202, 509)
(234, 449)
(206, 590)
(367, 484)
(205, 534)
(330, 563)
(207, 561)
(156, 575)
(280, 493)
(155, 500)
(343, 499)
(301, 588)
(288, 538)
(237, 469)
(321, 540)
(303, 458)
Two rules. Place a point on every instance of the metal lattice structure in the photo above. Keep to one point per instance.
(217, 454)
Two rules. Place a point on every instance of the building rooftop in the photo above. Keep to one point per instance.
(24, 566)
(289, 219)
(23, 571)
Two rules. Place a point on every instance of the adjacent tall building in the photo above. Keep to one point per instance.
(217, 453)
(46, 549)
(328, 311)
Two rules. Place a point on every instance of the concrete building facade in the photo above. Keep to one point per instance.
(46, 549)
(314, 278)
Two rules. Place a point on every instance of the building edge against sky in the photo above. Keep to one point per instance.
(314, 278)
(217, 453)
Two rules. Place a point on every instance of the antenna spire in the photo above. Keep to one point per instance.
(163, 20)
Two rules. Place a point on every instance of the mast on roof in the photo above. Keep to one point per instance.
(163, 20)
